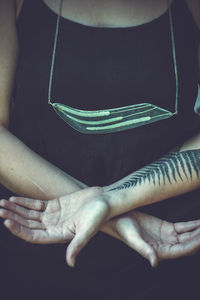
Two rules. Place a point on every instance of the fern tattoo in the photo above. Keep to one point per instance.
(170, 168)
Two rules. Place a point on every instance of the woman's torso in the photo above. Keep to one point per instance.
(98, 68)
(111, 13)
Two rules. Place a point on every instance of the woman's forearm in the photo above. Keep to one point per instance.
(27, 174)
(176, 173)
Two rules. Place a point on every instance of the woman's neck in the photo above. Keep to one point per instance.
(110, 13)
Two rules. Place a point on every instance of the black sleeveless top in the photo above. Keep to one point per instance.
(98, 68)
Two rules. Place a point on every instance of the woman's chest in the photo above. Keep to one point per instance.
(107, 13)
(99, 68)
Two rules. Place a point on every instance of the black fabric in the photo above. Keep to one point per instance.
(103, 68)
(99, 68)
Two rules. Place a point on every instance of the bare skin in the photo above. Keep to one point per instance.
(110, 13)
(55, 221)
(97, 15)
(113, 13)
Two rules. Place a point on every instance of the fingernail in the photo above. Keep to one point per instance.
(6, 223)
(73, 265)
(12, 198)
(152, 261)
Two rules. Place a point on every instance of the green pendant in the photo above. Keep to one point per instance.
(111, 120)
(116, 119)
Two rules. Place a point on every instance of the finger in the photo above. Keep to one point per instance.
(131, 236)
(192, 246)
(29, 235)
(179, 250)
(187, 236)
(75, 247)
(30, 203)
(186, 226)
(137, 243)
(21, 211)
(5, 214)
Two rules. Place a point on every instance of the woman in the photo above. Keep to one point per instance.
(100, 57)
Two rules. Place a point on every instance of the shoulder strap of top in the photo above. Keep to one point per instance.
(29, 10)
(181, 10)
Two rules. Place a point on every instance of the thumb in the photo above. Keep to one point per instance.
(144, 249)
(74, 248)
(149, 253)
(153, 258)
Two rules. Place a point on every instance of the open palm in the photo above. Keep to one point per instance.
(41, 223)
(57, 221)
(156, 239)
(78, 216)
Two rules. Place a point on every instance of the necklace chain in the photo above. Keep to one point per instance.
(54, 52)
(55, 46)
(174, 59)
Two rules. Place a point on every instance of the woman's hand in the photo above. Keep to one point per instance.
(154, 238)
(57, 221)
(69, 219)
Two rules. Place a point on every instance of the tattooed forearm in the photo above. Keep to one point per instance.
(169, 169)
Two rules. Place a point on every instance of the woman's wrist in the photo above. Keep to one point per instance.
(116, 200)
(176, 173)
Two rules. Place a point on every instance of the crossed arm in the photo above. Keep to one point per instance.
(176, 173)
(77, 216)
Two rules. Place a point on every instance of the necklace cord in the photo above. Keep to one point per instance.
(175, 61)
(54, 52)
(55, 47)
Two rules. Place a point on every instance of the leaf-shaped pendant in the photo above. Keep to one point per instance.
(111, 120)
